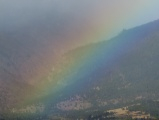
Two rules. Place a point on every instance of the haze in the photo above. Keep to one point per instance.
(75, 22)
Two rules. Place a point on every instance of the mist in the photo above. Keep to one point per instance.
(73, 23)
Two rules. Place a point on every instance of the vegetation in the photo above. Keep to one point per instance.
(117, 81)
(148, 106)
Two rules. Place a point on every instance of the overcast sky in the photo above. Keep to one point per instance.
(75, 14)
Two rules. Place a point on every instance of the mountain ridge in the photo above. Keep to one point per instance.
(129, 74)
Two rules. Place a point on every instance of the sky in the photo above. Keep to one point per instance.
(77, 21)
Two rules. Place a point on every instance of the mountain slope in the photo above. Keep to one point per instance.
(130, 75)
(95, 77)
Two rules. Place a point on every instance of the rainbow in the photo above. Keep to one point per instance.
(72, 73)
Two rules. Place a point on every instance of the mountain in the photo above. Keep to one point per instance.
(119, 72)
(97, 77)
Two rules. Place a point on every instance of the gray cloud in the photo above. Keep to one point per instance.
(56, 16)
